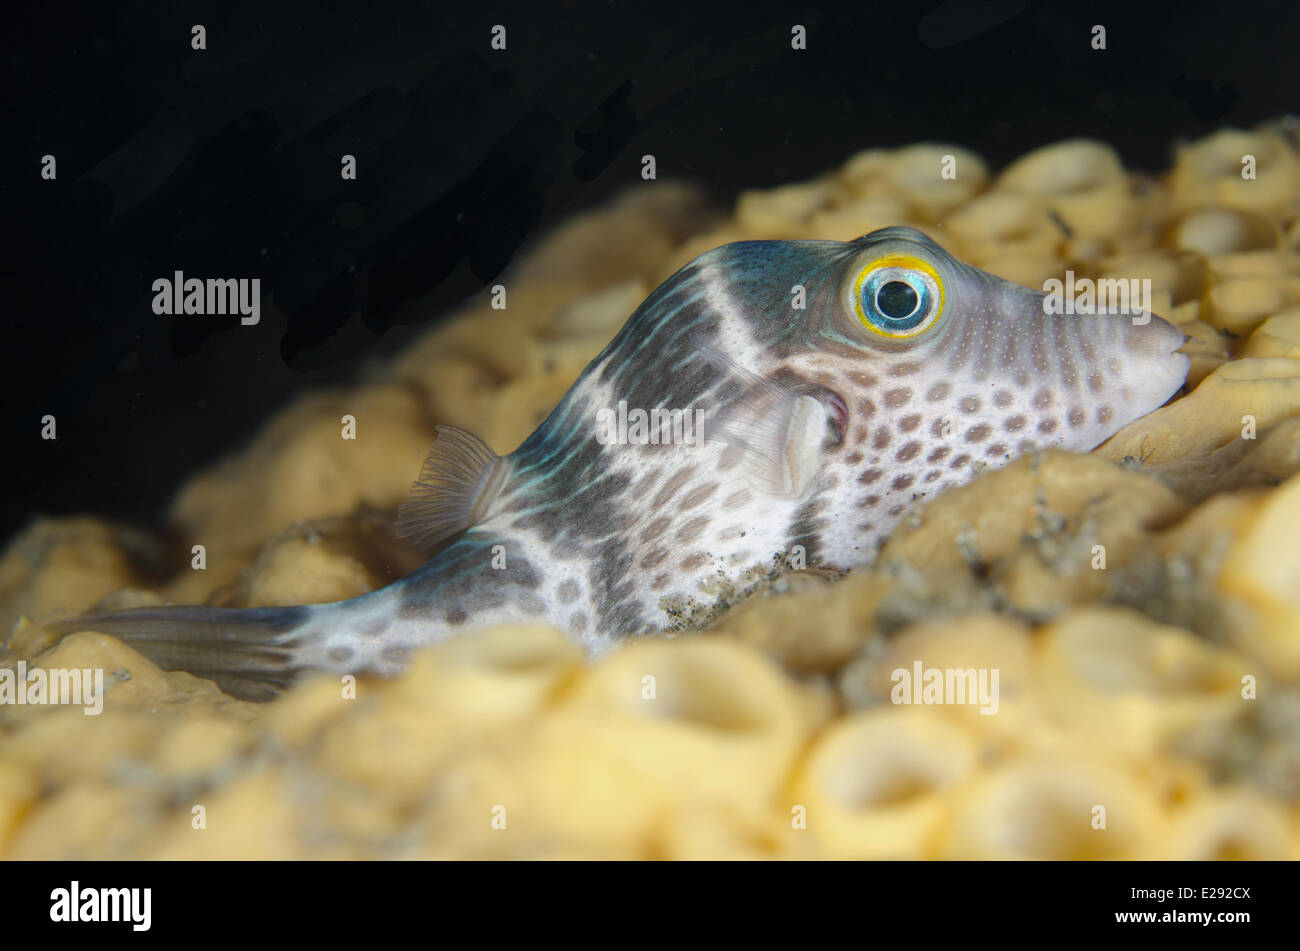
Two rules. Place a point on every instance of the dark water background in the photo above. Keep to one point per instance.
(225, 163)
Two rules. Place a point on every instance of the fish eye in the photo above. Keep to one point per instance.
(897, 300)
(898, 296)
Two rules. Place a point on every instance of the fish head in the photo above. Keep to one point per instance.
(936, 360)
(928, 370)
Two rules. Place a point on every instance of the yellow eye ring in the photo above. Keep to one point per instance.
(898, 296)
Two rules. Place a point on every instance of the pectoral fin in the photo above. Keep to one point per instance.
(780, 431)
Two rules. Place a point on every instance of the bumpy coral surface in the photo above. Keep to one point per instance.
(1140, 605)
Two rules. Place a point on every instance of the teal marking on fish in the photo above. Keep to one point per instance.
(905, 373)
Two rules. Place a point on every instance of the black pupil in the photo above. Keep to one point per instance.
(896, 300)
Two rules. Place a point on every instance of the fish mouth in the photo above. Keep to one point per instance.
(1155, 347)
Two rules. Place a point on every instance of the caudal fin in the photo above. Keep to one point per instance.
(248, 652)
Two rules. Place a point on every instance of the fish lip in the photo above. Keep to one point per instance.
(1160, 341)
(1158, 336)
(1182, 335)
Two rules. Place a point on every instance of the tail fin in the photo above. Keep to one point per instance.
(248, 652)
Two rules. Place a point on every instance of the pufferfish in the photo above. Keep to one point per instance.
(835, 384)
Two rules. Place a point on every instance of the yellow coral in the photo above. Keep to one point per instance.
(1092, 585)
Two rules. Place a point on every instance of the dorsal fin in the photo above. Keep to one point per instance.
(458, 481)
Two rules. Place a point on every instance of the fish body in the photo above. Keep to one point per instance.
(772, 404)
